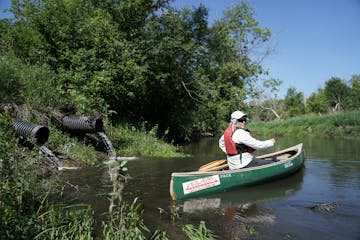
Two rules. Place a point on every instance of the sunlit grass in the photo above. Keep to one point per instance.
(127, 141)
(71, 147)
(346, 124)
(130, 141)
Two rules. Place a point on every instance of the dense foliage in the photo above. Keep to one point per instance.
(136, 61)
(145, 62)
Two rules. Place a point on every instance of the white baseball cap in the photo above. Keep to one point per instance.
(238, 115)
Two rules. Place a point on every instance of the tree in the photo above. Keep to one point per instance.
(294, 103)
(89, 44)
(142, 59)
(317, 102)
(235, 43)
(354, 95)
(199, 70)
(264, 104)
(336, 92)
(4, 28)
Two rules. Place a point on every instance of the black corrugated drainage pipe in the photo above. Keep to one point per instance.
(83, 124)
(27, 130)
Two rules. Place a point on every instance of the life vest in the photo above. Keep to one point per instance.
(233, 148)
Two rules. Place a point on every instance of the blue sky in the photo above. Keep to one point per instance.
(314, 40)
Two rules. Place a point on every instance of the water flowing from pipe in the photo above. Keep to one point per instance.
(117, 179)
(108, 144)
(47, 152)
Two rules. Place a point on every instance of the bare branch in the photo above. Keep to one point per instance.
(272, 110)
(189, 93)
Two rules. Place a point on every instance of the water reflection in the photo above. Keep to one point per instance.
(268, 191)
(242, 213)
(276, 210)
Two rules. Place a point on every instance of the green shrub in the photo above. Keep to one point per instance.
(32, 85)
(10, 81)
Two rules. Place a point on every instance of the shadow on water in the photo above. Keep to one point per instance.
(275, 210)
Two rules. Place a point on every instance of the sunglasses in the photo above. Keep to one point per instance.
(242, 120)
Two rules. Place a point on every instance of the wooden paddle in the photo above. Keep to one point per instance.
(212, 164)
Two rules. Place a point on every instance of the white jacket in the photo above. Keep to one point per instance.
(244, 137)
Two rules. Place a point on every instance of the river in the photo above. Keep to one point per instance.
(321, 201)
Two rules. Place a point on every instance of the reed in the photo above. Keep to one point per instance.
(200, 233)
(125, 222)
(66, 222)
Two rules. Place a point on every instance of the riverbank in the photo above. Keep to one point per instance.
(344, 124)
(34, 214)
(33, 207)
(88, 147)
(126, 140)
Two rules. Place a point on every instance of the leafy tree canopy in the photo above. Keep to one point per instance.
(142, 59)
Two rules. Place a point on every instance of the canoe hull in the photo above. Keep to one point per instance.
(196, 184)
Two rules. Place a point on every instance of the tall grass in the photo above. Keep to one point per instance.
(18, 188)
(130, 141)
(66, 222)
(73, 148)
(200, 233)
(344, 124)
(126, 223)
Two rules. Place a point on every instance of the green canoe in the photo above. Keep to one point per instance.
(213, 178)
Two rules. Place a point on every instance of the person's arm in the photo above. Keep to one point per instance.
(242, 136)
(222, 144)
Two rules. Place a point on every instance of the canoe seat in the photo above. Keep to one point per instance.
(284, 156)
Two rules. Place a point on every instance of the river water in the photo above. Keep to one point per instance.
(321, 201)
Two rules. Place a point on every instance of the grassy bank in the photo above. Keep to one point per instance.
(345, 124)
(26, 211)
(127, 141)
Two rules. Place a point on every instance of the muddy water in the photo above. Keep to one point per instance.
(322, 201)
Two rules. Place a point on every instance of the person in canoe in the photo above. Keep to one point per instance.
(239, 144)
